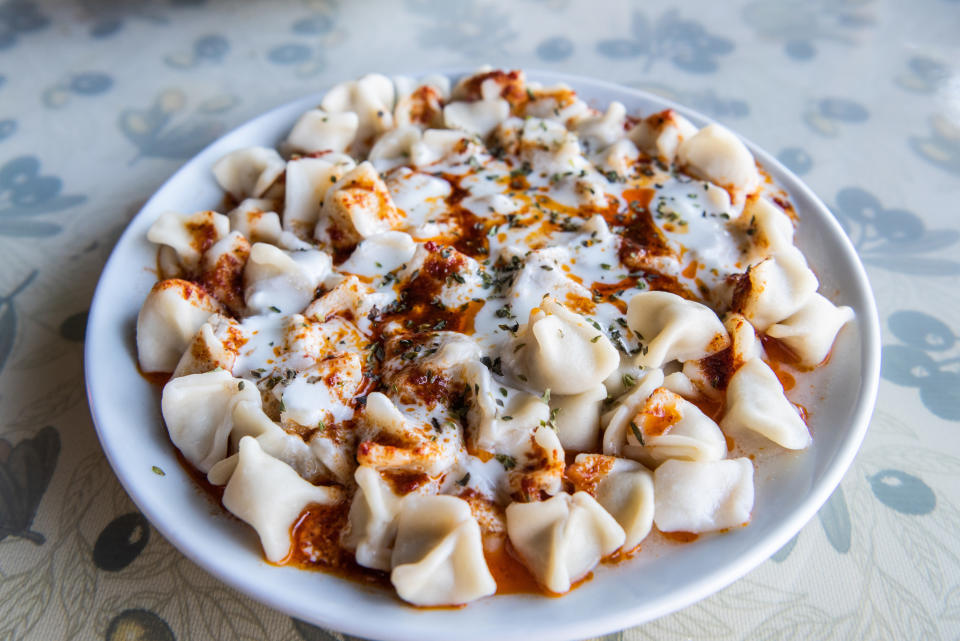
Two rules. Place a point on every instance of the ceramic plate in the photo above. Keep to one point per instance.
(790, 487)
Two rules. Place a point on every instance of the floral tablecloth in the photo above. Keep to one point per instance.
(100, 101)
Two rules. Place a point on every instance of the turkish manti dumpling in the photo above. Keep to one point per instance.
(449, 320)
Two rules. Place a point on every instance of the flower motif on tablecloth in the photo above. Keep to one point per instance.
(941, 146)
(893, 239)
(109, 17)
(827, 115)
(834, 517)
(308, 60)
(903, 492)
(923, 360)
(8, 126)
(25, 472)
(18, 17)
(802, 24)
(207, 49)
(87, 83)
(25, 193)
(476, 30)
(684, 42)
(796, 160)
(923, 75)
(706, 101)
(8, 319)
(168, 129)
(555, 49)
(138, 624)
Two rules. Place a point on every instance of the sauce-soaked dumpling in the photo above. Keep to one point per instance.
(172, 314)
(672, 328)
(756, 402)
(702, 496)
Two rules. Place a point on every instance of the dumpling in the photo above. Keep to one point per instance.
(346, 296)
(578, 418)
(394, 148)
(559, 350)
(496, 427)
(317, 130)
(322, 393)
(775, 288)
(660, 134)
(716, 154)
(755, 401)
(540, 275)
(562, 538)
(711, 375)
(189, 235)
(768, 227)
(558, 102)
(536, 467)
(623, 487)
(249, 172)
(373, 520)
(380, 254)
(549, 147)
(256, 220)
(172, 314)
(602, 130)
(478, 118)
(672, 328)
(616, 422)
(270, 496)
(307, 183)
(420, 103)
(437, 144)
(222, 270)
(250, 420)
(198, 412)
(397, 442)
(216, 345)
(359, 206)
(281, 280)
(702, 496)
(619, 157)
(811, 330)
(668, 426)
(438, 555)
(371, 99)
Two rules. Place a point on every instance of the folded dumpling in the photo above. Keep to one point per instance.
(616, 422)
(559, 350)
(358, 206)
(670, 327)
(400, 442)
(623, 487)
(172, 314)
(216, 345)
(562, 538)
(270, 496)
(317, 130)
(198, 411)
(438, 554)
(756, 402)
(373, 520)
(661, 134)
(775, 288)
(499, 416)
(371, 99)
(256, 220)
(716, 154)
(221, 270)
(667, 426)
(478, 118)
(307, 182)
(250, 420)
(702, 496)
(379, 254)
(248, 172)
(283, 281)
(189, 235)
(811, 330)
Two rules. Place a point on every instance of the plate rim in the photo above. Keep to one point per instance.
(697, 589)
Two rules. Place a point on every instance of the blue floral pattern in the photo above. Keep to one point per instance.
(87, 83)
(210, 48)
(803, 25)
(19, 17)
(157, 131)
(26, 193)
(685, 43)
(893, 238)
(703, 100)
(912, 364)
(468, 27)
(796, 160)
(826, 116)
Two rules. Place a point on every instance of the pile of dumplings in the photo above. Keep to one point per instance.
(482, 320)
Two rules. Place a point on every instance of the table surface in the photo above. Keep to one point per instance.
(101, 101)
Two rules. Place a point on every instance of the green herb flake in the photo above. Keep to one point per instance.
(636, 432)
(507, 461)
(158, 471)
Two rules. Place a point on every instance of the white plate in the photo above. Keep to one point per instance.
(790, 487)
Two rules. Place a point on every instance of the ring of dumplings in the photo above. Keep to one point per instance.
(441, 329)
